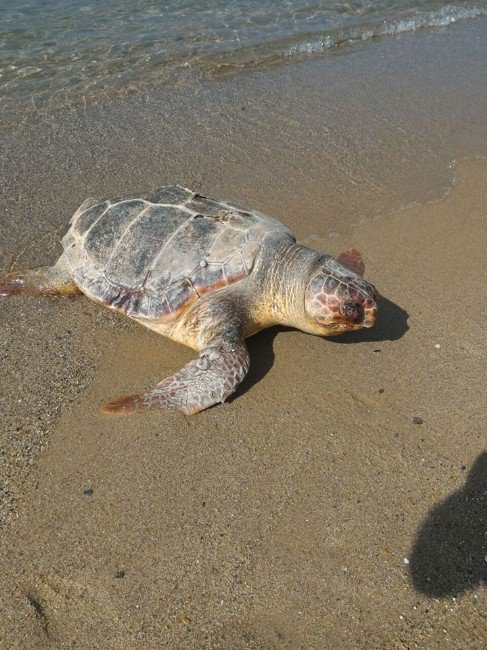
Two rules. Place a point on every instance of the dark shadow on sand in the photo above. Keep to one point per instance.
(450, 551)
(261, 351)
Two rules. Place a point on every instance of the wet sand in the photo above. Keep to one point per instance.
(339, 499)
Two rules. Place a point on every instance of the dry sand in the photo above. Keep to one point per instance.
(339, 501)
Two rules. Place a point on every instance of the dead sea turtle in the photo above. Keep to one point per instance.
(206, 273)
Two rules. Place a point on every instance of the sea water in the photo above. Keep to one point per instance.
(67, 53)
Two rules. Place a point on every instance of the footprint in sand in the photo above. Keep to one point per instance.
(69, 612)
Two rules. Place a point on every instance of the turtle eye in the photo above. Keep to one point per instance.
(352, 310)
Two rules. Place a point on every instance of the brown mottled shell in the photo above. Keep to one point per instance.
(153, 257)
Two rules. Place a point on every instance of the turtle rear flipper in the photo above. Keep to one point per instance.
(44, 281)
(201, 383)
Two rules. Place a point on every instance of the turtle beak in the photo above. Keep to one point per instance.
(369, 306)
(370, 317)
(370, 312)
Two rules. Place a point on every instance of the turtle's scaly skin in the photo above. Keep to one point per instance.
(206, 273)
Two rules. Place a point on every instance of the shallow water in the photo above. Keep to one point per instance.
(67, 53)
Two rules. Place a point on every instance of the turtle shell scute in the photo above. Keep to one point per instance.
(235, 268)
(207, 278)
(180, 296)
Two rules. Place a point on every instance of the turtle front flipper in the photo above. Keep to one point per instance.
(201, 383)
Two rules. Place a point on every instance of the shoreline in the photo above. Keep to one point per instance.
(340, 474)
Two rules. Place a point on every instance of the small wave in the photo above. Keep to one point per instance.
(309, 45)
(443, 17)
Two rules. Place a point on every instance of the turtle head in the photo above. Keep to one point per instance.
(337, 298)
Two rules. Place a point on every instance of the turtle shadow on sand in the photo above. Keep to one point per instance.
(449, 554)
(391, 325)
(261, 352)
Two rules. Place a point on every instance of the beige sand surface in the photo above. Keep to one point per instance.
(309, 512)
(282, 519)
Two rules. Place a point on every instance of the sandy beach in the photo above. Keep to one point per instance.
(339, 500)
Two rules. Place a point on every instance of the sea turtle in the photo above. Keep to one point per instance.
(204, 272)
